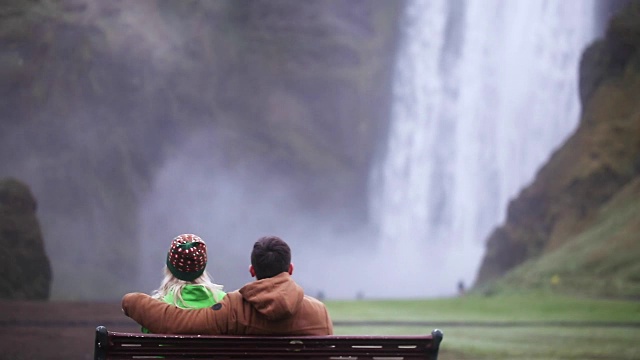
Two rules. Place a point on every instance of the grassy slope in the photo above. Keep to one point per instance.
(602, 261)
(583, 340)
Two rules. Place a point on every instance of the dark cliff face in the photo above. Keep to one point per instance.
(25, 267)
(96, 96)
(599, 162)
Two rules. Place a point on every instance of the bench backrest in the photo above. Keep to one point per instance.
(118, 345)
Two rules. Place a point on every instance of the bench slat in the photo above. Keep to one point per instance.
(118, 345)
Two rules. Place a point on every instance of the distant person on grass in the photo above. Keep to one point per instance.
(186, 284)
(274, 304)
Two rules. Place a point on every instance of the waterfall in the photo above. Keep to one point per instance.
(484, 91)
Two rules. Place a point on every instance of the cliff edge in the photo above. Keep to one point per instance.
(575, 228)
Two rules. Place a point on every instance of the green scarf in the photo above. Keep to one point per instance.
(194, 297)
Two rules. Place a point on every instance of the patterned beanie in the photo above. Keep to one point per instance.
(187, 257)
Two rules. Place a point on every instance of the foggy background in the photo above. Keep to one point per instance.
(381, 139)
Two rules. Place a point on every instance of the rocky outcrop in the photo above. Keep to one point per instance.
(608, 58)
(592, 167)
(25, 268)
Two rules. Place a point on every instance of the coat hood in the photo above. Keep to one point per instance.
(276, 298)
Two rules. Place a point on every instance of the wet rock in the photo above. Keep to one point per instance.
(24, 265)
(608, 58)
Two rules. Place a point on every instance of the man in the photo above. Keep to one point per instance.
(272, 305)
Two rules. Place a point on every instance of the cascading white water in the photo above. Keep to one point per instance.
(484, 91)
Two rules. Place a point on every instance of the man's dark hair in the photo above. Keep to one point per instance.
(270, 257)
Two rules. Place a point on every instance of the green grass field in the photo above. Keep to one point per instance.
(517, 326)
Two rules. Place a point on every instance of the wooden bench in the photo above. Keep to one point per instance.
(119, 345)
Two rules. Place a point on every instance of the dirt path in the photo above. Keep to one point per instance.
(55, 330)
(66, 330)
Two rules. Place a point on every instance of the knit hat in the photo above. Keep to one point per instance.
(187, 257)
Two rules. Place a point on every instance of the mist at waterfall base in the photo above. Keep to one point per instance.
(483, 95)
(232, 204)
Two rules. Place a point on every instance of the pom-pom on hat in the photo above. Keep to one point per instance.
(187, 257)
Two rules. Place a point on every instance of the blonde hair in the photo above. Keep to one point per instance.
(172, 285)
